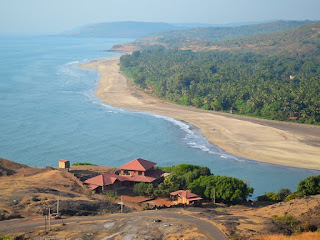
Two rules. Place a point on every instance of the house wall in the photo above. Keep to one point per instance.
(131, 173)
(64, 164)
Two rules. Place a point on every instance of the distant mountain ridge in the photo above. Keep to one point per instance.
(132, 29)
(126, 29)
(200, 35)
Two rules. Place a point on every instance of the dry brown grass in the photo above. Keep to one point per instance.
(303, 236)
(22, 193)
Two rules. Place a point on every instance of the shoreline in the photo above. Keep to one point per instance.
(280, 143)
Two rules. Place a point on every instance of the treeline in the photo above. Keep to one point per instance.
(306, 187)
(272, 87)
(200, 181)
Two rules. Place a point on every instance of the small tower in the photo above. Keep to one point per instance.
(64, 164)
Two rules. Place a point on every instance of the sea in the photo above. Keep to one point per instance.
(48, 111)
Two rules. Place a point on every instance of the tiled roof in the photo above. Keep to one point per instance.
(62, 160)
(185, 194)
(104, 179)
(141, 179)
(138, 165)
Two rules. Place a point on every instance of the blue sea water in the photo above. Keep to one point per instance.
(48, 111)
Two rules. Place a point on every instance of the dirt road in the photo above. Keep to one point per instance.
(210, 231)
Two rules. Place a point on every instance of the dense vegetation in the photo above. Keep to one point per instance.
(273, 87)
(306, 187)
(208, 35)
(200, 181)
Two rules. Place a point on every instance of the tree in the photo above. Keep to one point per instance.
(225, 189)
(140, 188)
(309, 186)
(150, 189)
(284, 193)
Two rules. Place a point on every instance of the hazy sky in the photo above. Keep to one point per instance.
(53, 16)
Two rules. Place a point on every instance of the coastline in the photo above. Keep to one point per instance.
(261, 140)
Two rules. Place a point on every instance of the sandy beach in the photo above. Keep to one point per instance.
(287, 144)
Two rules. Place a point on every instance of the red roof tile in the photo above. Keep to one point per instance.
(185, 194)
(141, 179)
(104, 179)
(138, 165)
(62, 160)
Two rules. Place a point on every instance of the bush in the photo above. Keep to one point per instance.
(269, 196)
(222, 188)
(309, 186)
(140, 188)
(112, 194)
(5, 237)
(275, 197)
(82, 163)
(292, 196)
(288, 220)
(284, 193)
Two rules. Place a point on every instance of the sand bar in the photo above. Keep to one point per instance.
(287, 144)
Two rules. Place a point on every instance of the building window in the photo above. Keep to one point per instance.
(126, 172)
(140, 173)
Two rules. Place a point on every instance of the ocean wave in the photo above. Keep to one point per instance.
(194, 139)
(72, 63)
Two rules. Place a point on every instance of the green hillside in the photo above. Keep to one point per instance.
(301, 41)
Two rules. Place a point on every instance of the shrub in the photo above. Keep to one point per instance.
(112, 194)
(292, 196)
(269, 196)
(309, 186)
(5, 237)
(287, 220)
(140, 188)
(82, 163)
(222, 188)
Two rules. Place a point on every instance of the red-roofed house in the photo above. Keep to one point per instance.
(104, 182)
(186, 197)
(138, 170)
(137, 167)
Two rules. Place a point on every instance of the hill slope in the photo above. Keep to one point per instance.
(205, 35)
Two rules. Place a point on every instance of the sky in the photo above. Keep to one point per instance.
(56, 16)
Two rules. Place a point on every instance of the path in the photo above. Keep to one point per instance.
(211, 231)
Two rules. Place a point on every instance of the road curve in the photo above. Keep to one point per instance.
(207, 228)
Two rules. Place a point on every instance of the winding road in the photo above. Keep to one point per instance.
(205, 227)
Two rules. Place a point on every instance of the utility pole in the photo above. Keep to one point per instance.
(45, 223)
(58, 205)
(49, 219)
(121, 205)
(214, 195)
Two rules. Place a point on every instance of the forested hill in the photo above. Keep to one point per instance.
(127, 29)
(280, 84)
(299, 42)
(207, 35)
